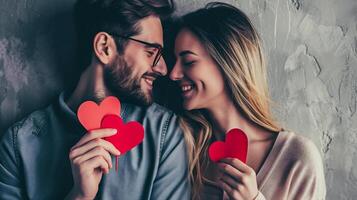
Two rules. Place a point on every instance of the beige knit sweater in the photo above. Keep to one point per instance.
(292, 170)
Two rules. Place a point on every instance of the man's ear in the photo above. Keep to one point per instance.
(104, 47)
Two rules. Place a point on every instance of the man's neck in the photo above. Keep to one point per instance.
(90, 87)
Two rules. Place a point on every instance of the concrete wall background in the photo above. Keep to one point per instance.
(311, 48)
(36, 51)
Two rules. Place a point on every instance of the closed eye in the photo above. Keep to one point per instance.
(150, 53)
(188, 64)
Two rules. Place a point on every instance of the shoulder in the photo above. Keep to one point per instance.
(301, 151)
(158, 110)
(23, 130)
(153, 114)
(158, 121)
(31, 125)
(168, 120)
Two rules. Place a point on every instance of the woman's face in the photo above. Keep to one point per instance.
(200, 80)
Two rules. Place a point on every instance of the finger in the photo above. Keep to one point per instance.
(91, 135)
(238, 164)
(230, 170)
(96, 151)
(230, 181)
(234, 194)
(97, 162)
(90, 145)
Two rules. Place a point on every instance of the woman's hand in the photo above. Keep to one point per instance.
(237, 179)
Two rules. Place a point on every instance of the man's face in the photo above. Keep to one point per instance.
(132, 74)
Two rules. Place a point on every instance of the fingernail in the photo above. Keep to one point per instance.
(114, 131)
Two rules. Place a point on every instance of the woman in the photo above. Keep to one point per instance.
(221, 72)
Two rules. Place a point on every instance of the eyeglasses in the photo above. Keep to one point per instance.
(151, 45)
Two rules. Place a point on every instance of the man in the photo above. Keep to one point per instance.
(49, 155)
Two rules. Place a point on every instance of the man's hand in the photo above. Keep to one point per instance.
(90, 158)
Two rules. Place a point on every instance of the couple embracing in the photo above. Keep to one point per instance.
(220, 75)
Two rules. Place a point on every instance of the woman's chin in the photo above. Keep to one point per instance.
(189, 105)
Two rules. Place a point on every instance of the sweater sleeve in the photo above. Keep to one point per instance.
(308, 181)
(260, 196)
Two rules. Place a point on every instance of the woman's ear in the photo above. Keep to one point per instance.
(104, 47)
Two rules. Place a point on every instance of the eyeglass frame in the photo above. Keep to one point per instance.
(156, 46)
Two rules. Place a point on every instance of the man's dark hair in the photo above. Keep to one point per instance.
(113, 16)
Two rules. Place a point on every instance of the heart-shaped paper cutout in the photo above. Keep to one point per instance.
(128, 136)
(90, 115)
(235, 146)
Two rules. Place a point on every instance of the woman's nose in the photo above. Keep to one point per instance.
(176, 72)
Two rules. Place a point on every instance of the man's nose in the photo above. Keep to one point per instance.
(161, 67)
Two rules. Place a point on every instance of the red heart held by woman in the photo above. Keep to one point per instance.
(235, 146)
(90, 115)
(128, 136)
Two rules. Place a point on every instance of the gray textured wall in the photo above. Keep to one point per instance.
(36, 53)
(311, 48)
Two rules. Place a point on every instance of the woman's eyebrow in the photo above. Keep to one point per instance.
(183, 53)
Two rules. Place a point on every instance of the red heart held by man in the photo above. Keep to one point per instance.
(128, 136)
(235, 146)
(90, 114)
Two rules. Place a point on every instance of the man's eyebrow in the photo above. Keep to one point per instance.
(183, 53)
(153, 44)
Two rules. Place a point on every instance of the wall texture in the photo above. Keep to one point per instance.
(311, 48)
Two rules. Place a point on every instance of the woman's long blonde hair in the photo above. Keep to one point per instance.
(233, 43)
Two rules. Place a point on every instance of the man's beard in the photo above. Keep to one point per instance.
(120, 80)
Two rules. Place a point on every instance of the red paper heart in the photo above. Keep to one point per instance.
(128, 136)
(235, 146)
(90, 115)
